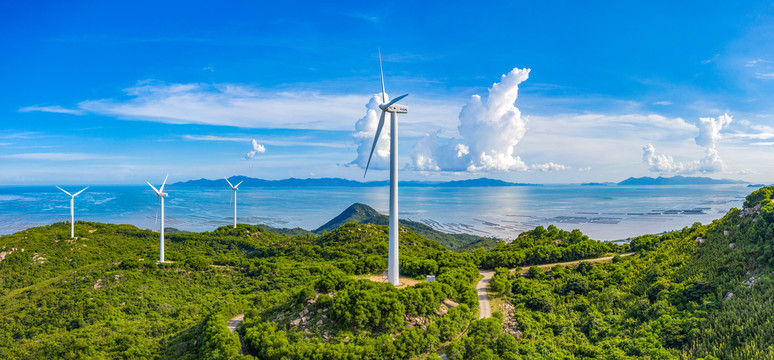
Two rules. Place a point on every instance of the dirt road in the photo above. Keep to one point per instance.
(485, 308)
(234, 322)
(570, 263)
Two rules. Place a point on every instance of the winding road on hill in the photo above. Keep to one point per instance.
(234, 322)
(485, 308)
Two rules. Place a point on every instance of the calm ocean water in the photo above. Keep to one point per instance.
(602, 212)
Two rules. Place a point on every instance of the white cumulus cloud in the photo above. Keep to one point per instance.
(364, 136)
(709, 134)
(257, 149)
(490, 131)
(709, 130)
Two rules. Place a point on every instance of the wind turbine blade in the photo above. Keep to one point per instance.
(237, 185)
(161, 189)
(229, 183)
(381, 73)
(64, 191)
(84, 189)
(154, 189)
(376, 138)
(393, 101)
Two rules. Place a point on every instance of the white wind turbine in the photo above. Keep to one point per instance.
(72, 210)
(161, 194)
(393, 265)
(235, 188)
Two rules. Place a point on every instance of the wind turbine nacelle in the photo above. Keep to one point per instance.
(397, 108)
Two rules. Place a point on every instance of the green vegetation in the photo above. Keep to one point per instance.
(672, 300)
(100, 296)
(545, 246)
(364, 214)
(702, 292)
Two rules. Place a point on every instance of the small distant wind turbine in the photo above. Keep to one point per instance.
(161, 194)
(393, 264)
(235, 188)
(72, 210)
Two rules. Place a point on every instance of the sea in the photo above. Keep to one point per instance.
(609, 213)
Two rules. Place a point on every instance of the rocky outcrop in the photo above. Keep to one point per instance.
(3, 254)
(753, 211)
(510, 325)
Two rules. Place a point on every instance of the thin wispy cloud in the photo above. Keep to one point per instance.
(215, 138)
(760, 132)
(246, 107)
(60, 156)
(289, 141)
(409, 57)
(19, 135)
(51, 109)
(707, 61)
(364, 16)
(752, 63)
(229, 105)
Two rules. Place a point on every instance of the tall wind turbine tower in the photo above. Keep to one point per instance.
(161, 194)
(393, 264)
(72, 210)
(235, 188)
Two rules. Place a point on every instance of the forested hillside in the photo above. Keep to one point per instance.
(702, 292)
(364, 214)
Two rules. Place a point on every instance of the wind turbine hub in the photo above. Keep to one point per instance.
(395, 108)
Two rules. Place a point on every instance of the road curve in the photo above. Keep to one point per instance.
(484, 308)
(523, 270)
(234, 322)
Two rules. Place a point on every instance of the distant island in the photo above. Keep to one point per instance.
(480, 182)
(364, 214)
(678, 180)
(332, 182)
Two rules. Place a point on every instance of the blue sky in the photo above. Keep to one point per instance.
(124, 91)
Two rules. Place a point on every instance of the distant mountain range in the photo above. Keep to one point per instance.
(678, 180)
(325, 182)
(480, 182)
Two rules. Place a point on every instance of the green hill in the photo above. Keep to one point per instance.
(364, 214)
(100, 296)
(704, 292)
